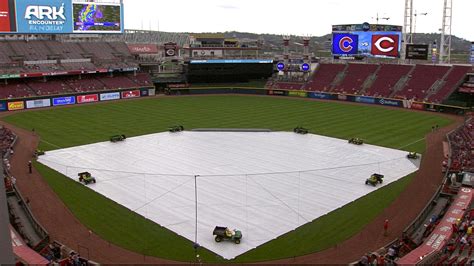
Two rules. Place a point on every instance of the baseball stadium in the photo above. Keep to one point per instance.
(134, 146)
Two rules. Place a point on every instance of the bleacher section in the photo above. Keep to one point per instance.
(32, 87)
(34, 56)
(356, 74)
(451, 81)
(387, 77)
(324, 76)
(421, 80)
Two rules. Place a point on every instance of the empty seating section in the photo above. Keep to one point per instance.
(120, 47)
(119, 82)
(86, 83)
(49, 87)
(324, 76)
(141, 79)
(421, 80)
(15, 90)
(387, 77)
(454, 77)
(98, 49)
(356, 74)
(66, 85)
(5, 53)
(102, 54)
(68, 50)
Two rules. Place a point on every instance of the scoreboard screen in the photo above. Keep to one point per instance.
(417, 51)
(365, 40)
(96, 18)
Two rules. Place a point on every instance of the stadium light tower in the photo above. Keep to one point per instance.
(416, 14)
(407, 27)
(377, 18)
(445, 45)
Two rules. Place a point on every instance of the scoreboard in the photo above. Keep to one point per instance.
(417, 51)
(60, 17)
(366, 40)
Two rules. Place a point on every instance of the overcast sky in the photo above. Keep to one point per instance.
(298, 17)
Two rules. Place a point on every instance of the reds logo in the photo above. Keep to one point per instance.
(345, 44)
(385, 45)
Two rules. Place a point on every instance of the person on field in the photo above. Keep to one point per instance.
(30, 169)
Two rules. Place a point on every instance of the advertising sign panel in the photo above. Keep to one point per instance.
(19, 105)
(64, 101)
(297, 94)
(417, 51)
(388, 102)
(38, 103)
(110, 96)
(3, 106)
(277, 92)
(44, 16)
(97, 18)
(321, 95)
(364, 99)
(170, 49)
(89, 98)
(410, 104)
(142, 48)
(130, 94)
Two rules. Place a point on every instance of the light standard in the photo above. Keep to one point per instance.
(377, 18)
(416, 14)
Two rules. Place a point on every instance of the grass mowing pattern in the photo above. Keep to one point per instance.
(67, 127)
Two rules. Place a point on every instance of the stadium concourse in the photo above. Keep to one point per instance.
(71, 232)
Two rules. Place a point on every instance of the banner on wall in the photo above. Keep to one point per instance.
(297, 94)
(364, 99)
(130, 94)
(19, 105)
(64, 101)
(321, 95)
(3, 106)
(89, 98)
(110, 96)
(38, 103)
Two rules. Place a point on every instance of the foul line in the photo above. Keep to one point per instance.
(409, 144)
(49, 143)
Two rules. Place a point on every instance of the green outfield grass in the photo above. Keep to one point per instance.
(67, 127)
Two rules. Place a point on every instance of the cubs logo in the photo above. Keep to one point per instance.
(345, 44)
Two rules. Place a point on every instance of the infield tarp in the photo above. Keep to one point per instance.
(265, 184)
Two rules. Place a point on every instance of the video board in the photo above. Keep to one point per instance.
(417, 51)
(97, 18)
(365, 40)
(472, 53)
(59, 17)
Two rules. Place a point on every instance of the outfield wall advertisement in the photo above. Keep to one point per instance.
(17, 105)
(59, 17)
(88, 98)
(68, 100)
(110, 96)
(38, 103)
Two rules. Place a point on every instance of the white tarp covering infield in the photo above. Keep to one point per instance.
(265, 184)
